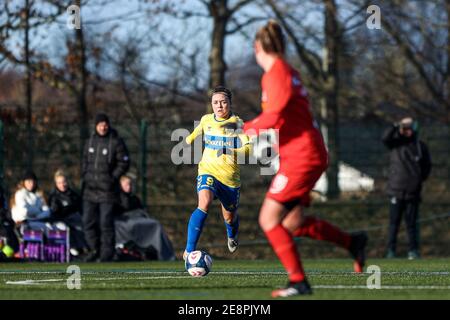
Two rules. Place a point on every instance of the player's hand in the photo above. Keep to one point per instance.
(186, 144)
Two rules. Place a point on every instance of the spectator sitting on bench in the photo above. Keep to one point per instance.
(65, 206)
(133, 225)
(28, 206)
(128, 200)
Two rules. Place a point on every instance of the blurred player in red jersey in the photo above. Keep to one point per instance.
(303, 159)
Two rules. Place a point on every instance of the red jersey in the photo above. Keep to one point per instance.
(286, 107)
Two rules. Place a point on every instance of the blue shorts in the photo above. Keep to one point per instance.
(228, 196)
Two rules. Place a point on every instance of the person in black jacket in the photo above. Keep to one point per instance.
(128, 201)
(65, 206)
(136, 229)
(105, 159)
(410, 166)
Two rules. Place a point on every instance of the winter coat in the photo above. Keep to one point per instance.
(105, 159)
(63, 204)
(129, 202)
(29, 206)
(410, 164)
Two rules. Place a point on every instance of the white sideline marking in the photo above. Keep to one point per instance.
(32, 282)
(389, 287)
(424, 273)
(383, 287)
(41, 281)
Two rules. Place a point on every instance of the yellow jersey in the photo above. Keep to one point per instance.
(222, 147)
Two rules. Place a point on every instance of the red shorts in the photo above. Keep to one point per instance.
(294, 185)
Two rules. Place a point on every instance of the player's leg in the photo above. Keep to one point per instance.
(197, 219)
(299, 186)
(231, 219)
(270, 219)
(229, 198)
(205, 187)
(318, 229)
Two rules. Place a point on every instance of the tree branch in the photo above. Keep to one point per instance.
(310, 59)
(239, 26)
(410, 54)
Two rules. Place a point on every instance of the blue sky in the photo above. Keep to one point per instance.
(128, 18)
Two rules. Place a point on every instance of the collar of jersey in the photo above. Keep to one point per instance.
(231, 114)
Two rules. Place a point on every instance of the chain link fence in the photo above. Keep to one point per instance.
(170, 194)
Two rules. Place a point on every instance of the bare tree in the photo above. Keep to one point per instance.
(23, 19)
(426, 46)
(28, 81)
(226, 21)
(80, 51)
(222, 14)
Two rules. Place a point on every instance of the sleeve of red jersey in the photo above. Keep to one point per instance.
(278, 90)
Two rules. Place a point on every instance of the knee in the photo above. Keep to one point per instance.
(229, 219)
(266, 222)
(204, 203)
(294, 222)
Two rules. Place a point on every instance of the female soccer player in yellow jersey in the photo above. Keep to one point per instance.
(218, 171)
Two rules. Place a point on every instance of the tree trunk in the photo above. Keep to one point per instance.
(28, 87)
(218, 67)
(82, 86)
(331, 90)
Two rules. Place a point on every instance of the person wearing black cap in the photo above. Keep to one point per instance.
(410, 166)
(105, 159)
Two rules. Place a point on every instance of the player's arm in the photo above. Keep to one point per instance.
(197, 131)
(245, 145)
(279, 91)
(265, 120)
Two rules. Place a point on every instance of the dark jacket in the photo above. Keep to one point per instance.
(129, 202)
(410, 164)
(105, 159)
(63, 204)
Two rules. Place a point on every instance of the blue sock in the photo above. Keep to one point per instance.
(195, 227)
(233, 228)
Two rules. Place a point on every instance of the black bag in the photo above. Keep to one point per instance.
(131, 252)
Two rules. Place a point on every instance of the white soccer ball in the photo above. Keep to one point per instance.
(198, 263)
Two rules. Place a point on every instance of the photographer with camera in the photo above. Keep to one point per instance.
(410, 166)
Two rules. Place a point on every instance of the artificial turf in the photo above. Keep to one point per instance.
(229, 279)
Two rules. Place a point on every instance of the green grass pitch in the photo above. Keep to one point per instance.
(229, 279)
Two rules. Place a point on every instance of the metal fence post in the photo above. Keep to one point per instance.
(143, 161)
